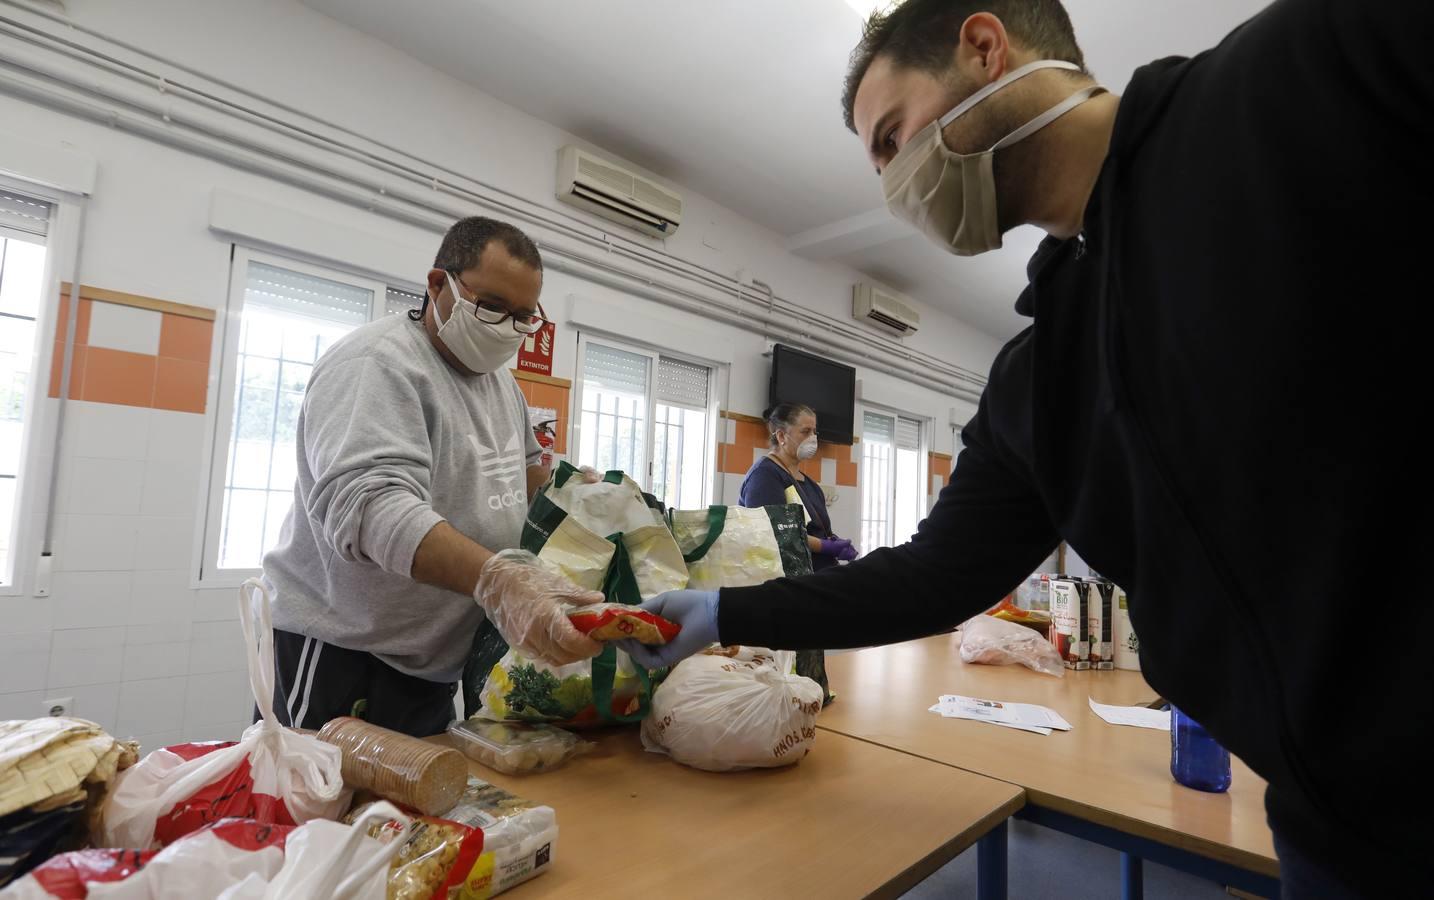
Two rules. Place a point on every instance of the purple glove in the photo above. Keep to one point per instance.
(838, 548)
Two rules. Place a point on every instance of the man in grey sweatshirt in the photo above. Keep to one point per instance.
(415, 463)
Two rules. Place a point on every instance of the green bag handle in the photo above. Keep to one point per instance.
(716, 521)
(565, 471)
(619, 586)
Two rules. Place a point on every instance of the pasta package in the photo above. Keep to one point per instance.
(436, 859)
(520, 839)
(619, 621)
(427, 777)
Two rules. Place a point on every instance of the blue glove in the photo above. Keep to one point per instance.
(839, 548)
(695, 611)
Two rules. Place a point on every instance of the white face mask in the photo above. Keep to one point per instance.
(481, 347)
(807, 449)
(951, 197)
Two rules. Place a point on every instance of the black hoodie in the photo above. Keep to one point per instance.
(1218, 405)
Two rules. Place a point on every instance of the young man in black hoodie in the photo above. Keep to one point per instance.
(1217, 402)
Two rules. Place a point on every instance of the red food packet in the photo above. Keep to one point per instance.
(618, 621)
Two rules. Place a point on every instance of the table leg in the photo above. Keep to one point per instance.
(1132, 877)
(991, 864)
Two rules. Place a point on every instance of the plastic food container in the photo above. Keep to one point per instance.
(516, 749)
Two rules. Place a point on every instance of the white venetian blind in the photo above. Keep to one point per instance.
(398, 302)
(682, 383)
(295, 293)
(24, 214)
(878, 428)
(908, 434)
(612, 370)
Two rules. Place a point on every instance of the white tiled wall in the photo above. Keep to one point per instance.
(123, 634)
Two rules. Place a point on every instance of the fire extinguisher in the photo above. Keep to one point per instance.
(547, 439)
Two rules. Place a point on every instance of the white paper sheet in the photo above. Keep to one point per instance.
(1136, 716)
(1021, 716)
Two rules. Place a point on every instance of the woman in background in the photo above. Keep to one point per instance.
(777, 478)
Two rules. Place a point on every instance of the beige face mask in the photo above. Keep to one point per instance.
(951, 197)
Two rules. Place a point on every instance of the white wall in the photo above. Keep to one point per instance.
(126, 633)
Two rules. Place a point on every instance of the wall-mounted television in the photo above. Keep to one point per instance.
(827, 387)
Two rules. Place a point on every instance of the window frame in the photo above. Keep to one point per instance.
(38, 464)
(223, 397)
(654, 356)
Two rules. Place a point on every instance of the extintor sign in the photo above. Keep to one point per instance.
(536, 353)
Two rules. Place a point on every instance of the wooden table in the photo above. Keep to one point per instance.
(1100, 780)
(851, 820)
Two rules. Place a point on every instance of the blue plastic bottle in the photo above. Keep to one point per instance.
(1196, 760)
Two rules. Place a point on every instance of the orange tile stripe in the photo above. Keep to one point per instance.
(120, 298)
(176, 379)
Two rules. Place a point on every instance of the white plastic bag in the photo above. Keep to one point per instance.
(996, 642)
(737, 708)
(235, 859)
(207, 863)
(272, 774)
(330, 859)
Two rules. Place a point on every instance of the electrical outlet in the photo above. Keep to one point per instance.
(59, 706)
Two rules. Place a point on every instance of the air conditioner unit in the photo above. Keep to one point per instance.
(612, 191)
(875, 305)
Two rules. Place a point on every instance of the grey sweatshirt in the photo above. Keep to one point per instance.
(391, 441)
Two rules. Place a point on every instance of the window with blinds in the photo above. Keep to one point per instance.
(24, 224)
(399, 302)
(908, 501)
(613, 371)
(289, 319)
(614, 421)
(649, 416)
(893, 487)
(878, 437)
(682, 383)
(681, 426)
(24, 215)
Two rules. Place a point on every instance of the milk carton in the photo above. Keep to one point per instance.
(1070, 621)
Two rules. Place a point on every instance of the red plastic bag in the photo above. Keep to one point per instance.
(201, 864)
(231, 797)
(69, 875)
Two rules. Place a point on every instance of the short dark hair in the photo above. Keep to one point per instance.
(922, 34)
(784, 415)
(465, 242)
(463, 247)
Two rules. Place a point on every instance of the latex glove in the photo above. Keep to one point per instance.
(695, 611)
(526, 601)
(839, 548)
(590, 475)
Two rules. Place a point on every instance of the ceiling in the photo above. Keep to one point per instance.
(739, 101)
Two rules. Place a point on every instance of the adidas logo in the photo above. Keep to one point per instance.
(504, 465)
(508, 500)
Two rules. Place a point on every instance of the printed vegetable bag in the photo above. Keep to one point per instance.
(733, 546)
(607, 536)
